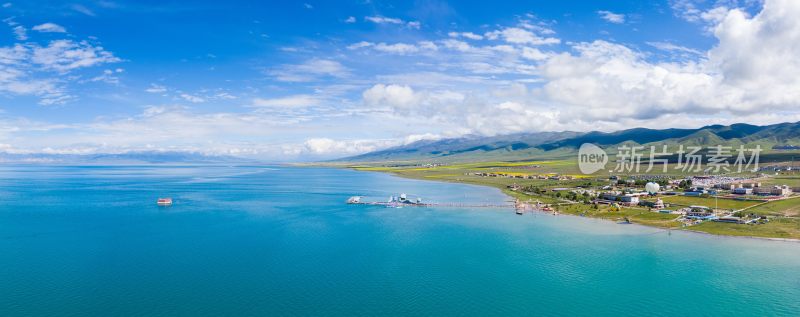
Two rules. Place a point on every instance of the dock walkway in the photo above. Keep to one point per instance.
(456, 205)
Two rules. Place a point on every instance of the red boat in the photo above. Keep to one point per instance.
(164, 201)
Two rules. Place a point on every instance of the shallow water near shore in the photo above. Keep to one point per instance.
(280, 241)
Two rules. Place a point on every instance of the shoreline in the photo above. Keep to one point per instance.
(791, 240)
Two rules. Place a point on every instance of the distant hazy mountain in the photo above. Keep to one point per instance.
(559, 144)
(154, 157)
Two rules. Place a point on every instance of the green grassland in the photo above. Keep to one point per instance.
(791, 179)
(635, 215)
(787, 228)
(787, 207)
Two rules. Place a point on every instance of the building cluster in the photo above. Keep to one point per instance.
(625, 199)
(755, 188)
(717, 180)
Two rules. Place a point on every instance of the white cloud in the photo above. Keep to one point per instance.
(414, 25)
(49, 28)
(751, 68)
(313, 69)
(397, 48)
(709, 13)
(108, 76)
(295, 101)
(225, 96)
(32, 69)
(469, 35)
(82, 9)
(686, 9)
(427, 45)
(609, 86)
(520, 36)
(383, 20)
(156, 89)
(533, 53)
(20, 33)
(612, 17)
(192, 98)
(327, 146)
(67, 55)
(390, 95)
(350, 19)
(457, 45)
(358, 45)
(456, 85)
(667, 46)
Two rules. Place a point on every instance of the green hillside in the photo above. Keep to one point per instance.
(562, 145)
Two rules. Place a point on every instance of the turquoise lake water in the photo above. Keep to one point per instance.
(278, 241)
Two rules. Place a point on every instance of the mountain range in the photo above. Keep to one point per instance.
(551, 145)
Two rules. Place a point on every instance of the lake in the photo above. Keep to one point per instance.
(280, 241)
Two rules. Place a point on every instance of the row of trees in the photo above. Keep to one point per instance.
(584, 197)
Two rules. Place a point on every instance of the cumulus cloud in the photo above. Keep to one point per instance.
(502, 81)
(49, 28)
(390, 95)
(611, 86)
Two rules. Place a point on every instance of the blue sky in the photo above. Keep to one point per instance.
(310, 80)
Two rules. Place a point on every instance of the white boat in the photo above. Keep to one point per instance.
(164, 201)
(354, 200)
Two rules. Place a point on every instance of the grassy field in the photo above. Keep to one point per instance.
(788, 228)
(791, 180)
(635, 215)
(787, 207)
(722, 203)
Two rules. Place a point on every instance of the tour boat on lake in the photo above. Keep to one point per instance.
(164, 201)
